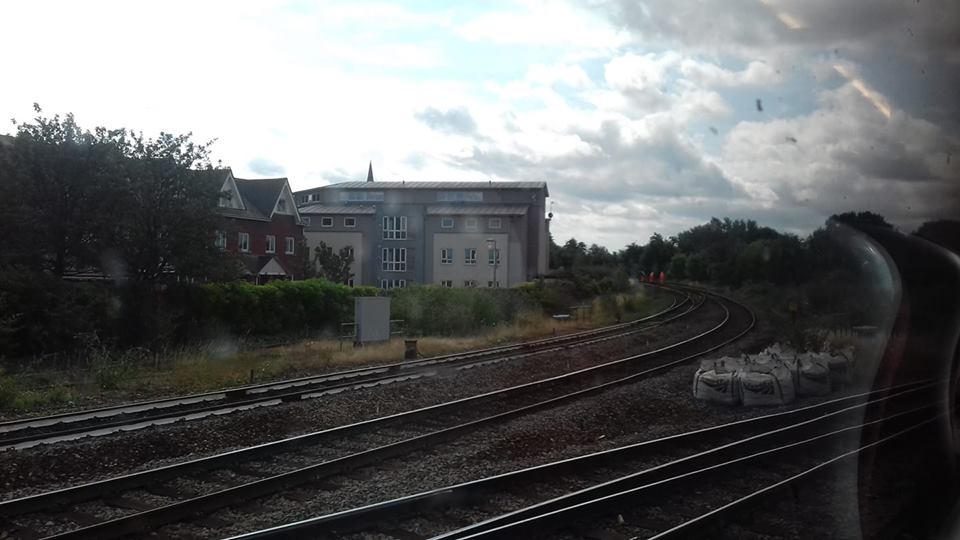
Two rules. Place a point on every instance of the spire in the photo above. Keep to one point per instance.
(370, 173)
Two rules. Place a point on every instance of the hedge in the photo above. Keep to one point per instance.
(280, 307)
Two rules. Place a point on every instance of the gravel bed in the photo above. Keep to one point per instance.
(632, 413)
(48, 467)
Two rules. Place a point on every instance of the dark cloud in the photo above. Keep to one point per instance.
(618, 168)
(453, 121)
(266, 167)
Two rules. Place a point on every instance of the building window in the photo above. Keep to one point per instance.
(361, 196)
(460, 196)
(291, 246)
(350, 222)
(305, 220)
(470, 224)
(221, 240)
(447, 283)
(493, 256)
(350, 282)
(224, 201)
(243, 242)
(326, 222)
(394, 227)
(313, 197)
(271, 244)
(494, 223)
(470, 256)
(469, 283)
(493, 284)
(446, 256)
(349, 251)
(394, 259)
(281, 205)
(393, 283)
(446, 223)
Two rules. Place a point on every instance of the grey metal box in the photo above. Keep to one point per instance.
(372, 315)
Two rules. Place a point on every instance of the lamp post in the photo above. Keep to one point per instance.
(492, 246)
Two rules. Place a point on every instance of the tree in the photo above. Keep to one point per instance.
(861, 219)
(60, 187)
(332, 266)
(944, 232)
(657, 254)
(168, 219)
(678, 266)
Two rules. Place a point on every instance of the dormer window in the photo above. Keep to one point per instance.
(224, 201)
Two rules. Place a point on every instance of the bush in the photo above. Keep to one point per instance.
(428, 309)
(281, 307)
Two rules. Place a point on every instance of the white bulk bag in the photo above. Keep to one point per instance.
(716, 381)
(766, 381)
(812, 376)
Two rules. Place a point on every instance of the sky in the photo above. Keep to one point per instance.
(642, 116)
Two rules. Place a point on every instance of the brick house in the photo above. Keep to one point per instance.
(262, 226)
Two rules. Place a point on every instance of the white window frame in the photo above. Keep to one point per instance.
(305, 220)
(387, 284)
(470, 256)
(447, 223)
(393, 259)
(495, 223)
(243, 242)
(470, 223)
(350, 222)
(490, 256)
(350, 282)
(290, 245)
(446, 283)
(493, 284)
(326, 221)
(394, 227)
(270, 243)
(220, 240)
(470, 283)
(446, 255)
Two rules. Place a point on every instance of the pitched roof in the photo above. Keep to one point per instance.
(477, 210)
(261, 193)
(340, 209)
(436, 185)
(257, 264)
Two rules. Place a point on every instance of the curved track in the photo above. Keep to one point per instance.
(516, 504)
(110, 508)
(29, 432)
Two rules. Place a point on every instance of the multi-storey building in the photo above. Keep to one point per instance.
(260, 223)
(452, 234)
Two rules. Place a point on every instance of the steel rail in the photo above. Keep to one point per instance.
(467, 493)
(589, 510)
(152, 518)
(23, 433)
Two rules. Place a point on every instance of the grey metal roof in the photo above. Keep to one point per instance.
(436, 185)
(339, 209)
(477, 210)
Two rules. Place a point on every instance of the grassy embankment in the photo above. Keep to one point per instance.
(140, 374)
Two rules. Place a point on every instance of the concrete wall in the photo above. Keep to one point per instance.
(337, 241)
(482, 271)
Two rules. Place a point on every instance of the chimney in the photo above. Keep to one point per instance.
(370, 172)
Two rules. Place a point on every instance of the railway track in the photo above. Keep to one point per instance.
(524, 502)
(138, 502)
(29, 432)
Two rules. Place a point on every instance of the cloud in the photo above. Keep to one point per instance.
(266, 167)
(454, 121)
(849, 155)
